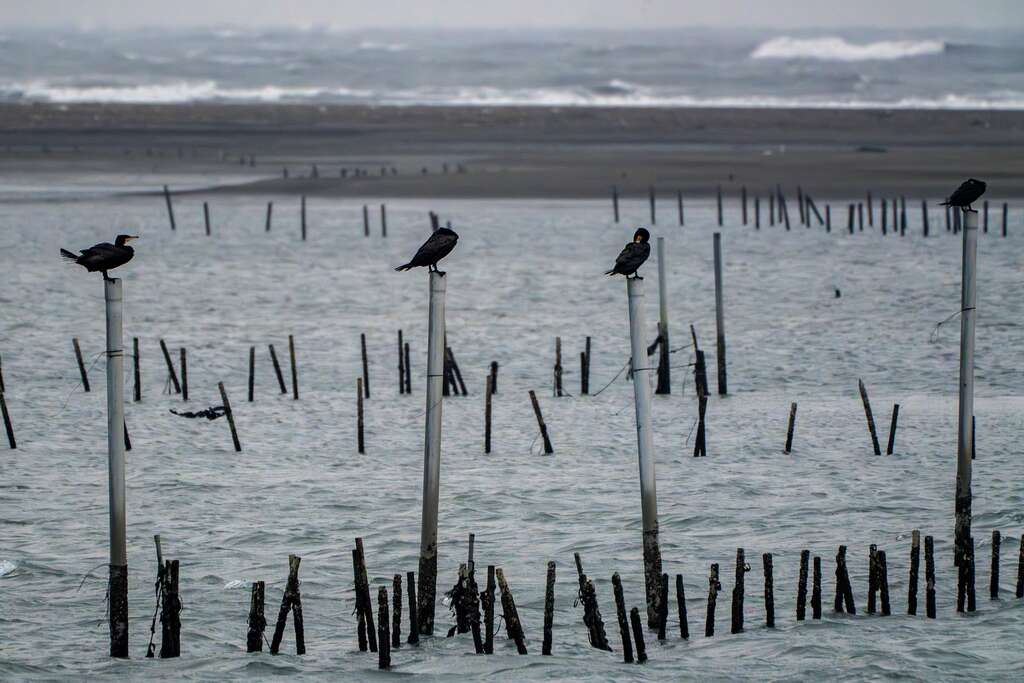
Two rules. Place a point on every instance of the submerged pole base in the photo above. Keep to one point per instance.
(117, 594)
(652, 577)
(426, 594)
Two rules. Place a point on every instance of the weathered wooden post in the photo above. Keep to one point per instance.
(81, 364)
(713, 587)
(684, 626)
(170, 614)
(757, 212)
(366, 221)
(1005, 210)
(7, 422)
(383, 641)
(789, 429)
(985, 221)
(206, 217)
(892, 428)
(615, 202)
(252, 373)
(771, 208)
(915, 568)
(801, 588)
(549, 609)
(719, 317)
(679, 202)
(432, 455)
(408, 369)
(295, 370)
(383, 220)
(1020, 568)
(638, 635)
(414, 624)
(290, 602)
(257, 620)
(769, 591)
(359, 416)
(558, 366)
(965, 433)
(870, 417)
(270, 212)
(366, 366)
(401, 365)
(871, 210)
(230, 416)
(548, 448)
(396, 611)
(620, 613)
(924, 218)
(137, 374)
(816, 589)
(302, 217)
(929, 577)
(170, 207)
(645, 448)
(664, 372)
(183, 355)
(738, 592)
(653, 215)
(828, 218)
(513, 626)
(277, 369)
(743, 199)
(118, 583)
(487, 416)
(719, 197)
(993, 585)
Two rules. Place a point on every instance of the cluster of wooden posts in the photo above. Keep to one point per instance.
(778, 211)
(473, 610)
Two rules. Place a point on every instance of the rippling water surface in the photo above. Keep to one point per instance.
(523, 273)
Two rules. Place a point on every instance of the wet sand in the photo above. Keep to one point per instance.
(523, 152)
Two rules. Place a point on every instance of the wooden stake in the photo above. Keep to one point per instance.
(137, 394)
(184, 374)
(170, 614)
(170, 207)
(679, 202)
(883, 582)
(620, 613)
(383, 221)
(414, 625)
(295, 371)
(277, 370)
(801, 588)
(615, 202)
(872, 577)
(513, 627)
(871, 211)
(663, 608)
(401, 365)
(252, 373)
(585, 369)
(302, 217)
(408, 370)
(743, 199)
(170, 367)
(638, 635)
(653, 216)
(869, 416)
(757, 213)
(924, 218)
(558, 366)
(257, 622)
(719, 316)
(548, 449)
(994, 576)
(494, 376)
(366, 367)
(1020, 569)
(366, 222)
(719, 196)
(396, 611)
(684, 626)
(929, 577)
(487, 416)
(844, 591)
(816, 589)
(769, 591)
(230, 416)
(487, 599)
(383, 619)
(549, 609)
(7, 423)
(270, 212)
(206, 217)
(915, 565)
(789, 429)
(892, 429)
(738, 592)
(81, 364)
(359, 415)
(713, 587)
(292, 601)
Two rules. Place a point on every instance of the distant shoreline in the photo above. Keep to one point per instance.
(525, 152)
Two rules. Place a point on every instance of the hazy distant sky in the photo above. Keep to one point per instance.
(891, 14)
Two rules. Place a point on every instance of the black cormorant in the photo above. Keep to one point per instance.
(104, 256)
(437, 246)
(966, 194)
(633, 255)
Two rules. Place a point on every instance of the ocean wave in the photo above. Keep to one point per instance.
(832, 48)
(381, 47)
(168, 93)
(6, 567)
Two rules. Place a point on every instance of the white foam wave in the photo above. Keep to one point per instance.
(169, 93)
(832, 48)
(382, 47)
(237, 583)
(6, 567)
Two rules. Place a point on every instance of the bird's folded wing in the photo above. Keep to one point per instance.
(626, 254)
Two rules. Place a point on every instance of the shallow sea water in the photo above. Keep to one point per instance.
(523, 273)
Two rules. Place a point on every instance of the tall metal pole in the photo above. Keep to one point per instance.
(118, 586)
(645, 448)
(425, 598)
(719, 316)
(965, 432)
(664, 371)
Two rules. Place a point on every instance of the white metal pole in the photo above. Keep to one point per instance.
(645, 447)
(719, 316)
(118, 587)
(432, 456)
(965, 432)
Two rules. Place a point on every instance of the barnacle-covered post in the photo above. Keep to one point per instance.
(118, 585)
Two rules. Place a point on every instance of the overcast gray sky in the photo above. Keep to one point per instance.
(893, 14)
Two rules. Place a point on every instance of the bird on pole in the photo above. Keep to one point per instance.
(633, 255)
(103, 256)
(966, 194)
(437, 246)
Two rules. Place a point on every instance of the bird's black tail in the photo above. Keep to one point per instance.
(610, 272)
(407, 266)
(68, 255)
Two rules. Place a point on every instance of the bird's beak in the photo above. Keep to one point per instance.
(131, 237)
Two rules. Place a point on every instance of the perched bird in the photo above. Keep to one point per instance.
(437, 246)
(104, 256)
(633, 255)
(966, 194)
